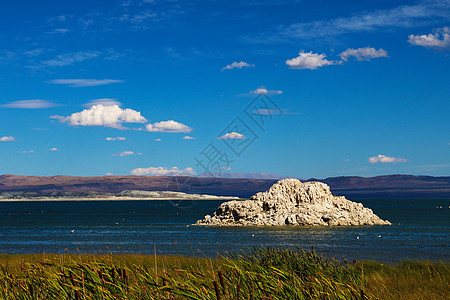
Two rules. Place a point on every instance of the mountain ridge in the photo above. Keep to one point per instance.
(383, 186)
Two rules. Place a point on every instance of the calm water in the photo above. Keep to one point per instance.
(420, 230)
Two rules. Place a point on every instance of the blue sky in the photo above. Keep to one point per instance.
(152, 87)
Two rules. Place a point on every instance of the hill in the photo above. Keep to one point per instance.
(353, 187)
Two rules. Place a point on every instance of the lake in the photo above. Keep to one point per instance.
(420, 230)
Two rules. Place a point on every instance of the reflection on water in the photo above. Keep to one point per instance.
(420, 230)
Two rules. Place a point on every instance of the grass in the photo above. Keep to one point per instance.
(256, 274)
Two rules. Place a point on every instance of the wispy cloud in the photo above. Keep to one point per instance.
(309, 60)
(386, 159)
(439, 39)
(34, 52)
(162, 171)
(60, 31)
(84, 82)
(26, 151)
(170, 126)
(100, 115)
(70, 58)
(232, 136)
(53, 149)
(7, 139)
(237, 65)
(223, 169)
(29, 104)
(119, 138)
(272, 112)
(366, 53)
(187, 137)
(401, 16)
(126, 153)
(102, 101)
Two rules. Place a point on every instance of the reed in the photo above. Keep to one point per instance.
(253, 274)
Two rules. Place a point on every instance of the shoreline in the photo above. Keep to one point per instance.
(62, 199)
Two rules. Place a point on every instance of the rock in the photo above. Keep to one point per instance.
(291, 202)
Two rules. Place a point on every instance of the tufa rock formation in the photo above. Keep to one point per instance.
(291, 202)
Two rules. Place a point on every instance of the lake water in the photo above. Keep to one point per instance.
(420, 230)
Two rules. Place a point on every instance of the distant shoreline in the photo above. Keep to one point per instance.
(62, 199)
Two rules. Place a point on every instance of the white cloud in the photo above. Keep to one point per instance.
(25, 151)
(168, 126)
(360, 54)
(271, 112)
(237, 65)
(35, 52)
(99, 115)
(223, 169)
(126, 153)
(29, 104)
(403, 16)
(385, 159)
(187, 137)
(158, 140)
(53, 149)
(109, 174)
(263, 91)
(440, 38)
(7, 139)
(71, 58)
(84, 82)
(309, 60)
(102, 101)
(232, 136)
(161, 171)
(119, 138)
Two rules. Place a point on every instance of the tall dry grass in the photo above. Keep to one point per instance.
(256, 274)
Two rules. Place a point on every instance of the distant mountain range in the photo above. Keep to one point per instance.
(244, 175)
(353, 187)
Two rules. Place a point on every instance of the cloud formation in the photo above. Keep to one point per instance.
(361, 54)
(158, 140)
(232, 136)
(119, 138)
(309, 60)
(263, 91)
(102, 101)
(53, 149)
(440, 39)
(29, 104)
(402, 16)
(187, 137)
(170, 126)
(385, 159)
(271, 112)
(161, 171)
(126, 153)
(100, 115)
(84, 82)
(237, 65)
(7, 139)
(71, 58)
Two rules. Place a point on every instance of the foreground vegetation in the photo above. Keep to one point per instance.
(258, 274)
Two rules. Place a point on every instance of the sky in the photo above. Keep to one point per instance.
(168, 87)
